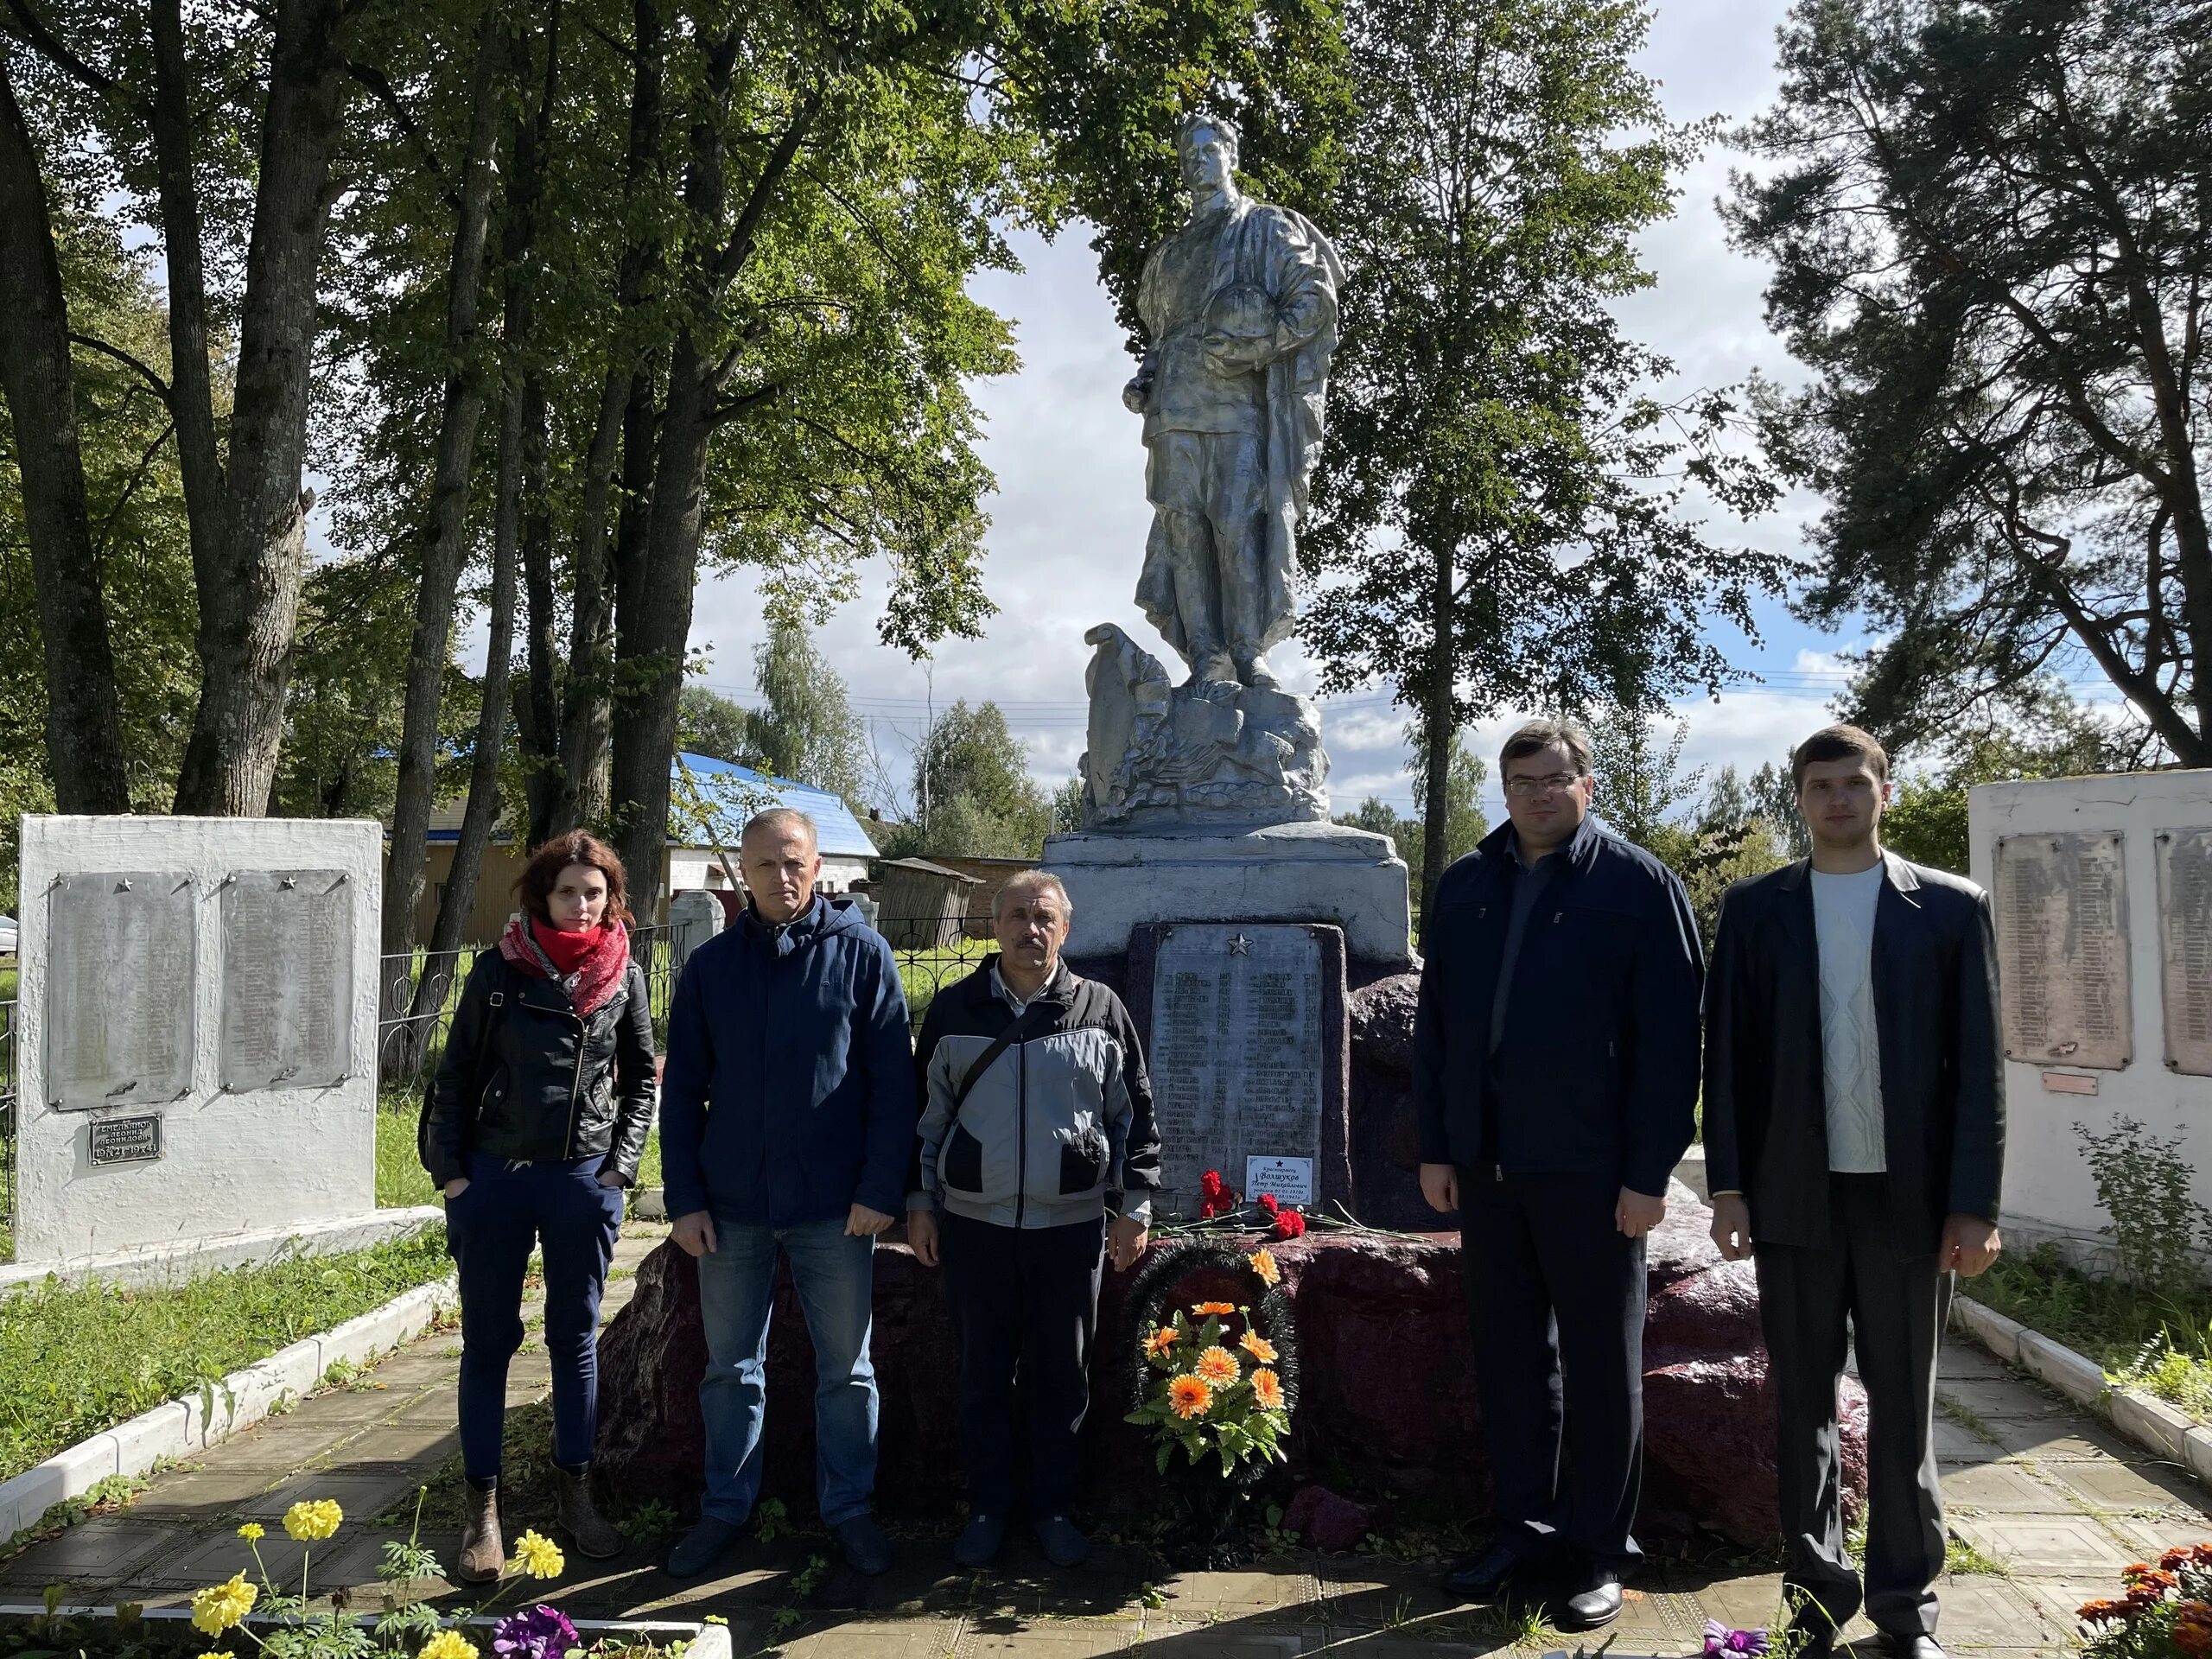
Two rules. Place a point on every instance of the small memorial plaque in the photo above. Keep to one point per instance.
(124, 1140)
(121, 966)
(2062, 946)
(288, 980)
(1287, 1181)
(2185, 947)
(1236, 1050)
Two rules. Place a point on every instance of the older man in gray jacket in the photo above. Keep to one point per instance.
(1037, 1122)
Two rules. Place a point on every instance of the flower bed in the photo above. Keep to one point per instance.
(2163, 1611)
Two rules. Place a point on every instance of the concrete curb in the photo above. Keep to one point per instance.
(197, 1421)
(705, 1641)
(2141, 1419)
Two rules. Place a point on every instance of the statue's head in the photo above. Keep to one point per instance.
(1206, 146)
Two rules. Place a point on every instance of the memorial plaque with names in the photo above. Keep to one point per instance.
(288, 980)
(2061, 945)
(2185, 947)
(123, 1140)
(121, 971)
(1236, 1052)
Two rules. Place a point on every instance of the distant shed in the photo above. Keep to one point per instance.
(925, 905)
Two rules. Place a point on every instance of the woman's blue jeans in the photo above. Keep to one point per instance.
(835, 1278)
(506, 1208)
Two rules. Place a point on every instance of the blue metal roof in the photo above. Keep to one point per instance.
(728, 795)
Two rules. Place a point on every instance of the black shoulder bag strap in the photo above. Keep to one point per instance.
(1023, 1026)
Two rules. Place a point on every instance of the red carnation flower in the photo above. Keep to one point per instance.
(1290, 1224)
(1209, 1185)
(1268, 1203)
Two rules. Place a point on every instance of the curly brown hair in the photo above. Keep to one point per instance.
(543, 874)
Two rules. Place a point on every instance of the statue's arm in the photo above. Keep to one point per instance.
(1308, 305)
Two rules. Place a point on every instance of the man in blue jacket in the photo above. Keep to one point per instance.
(787, 1115)
(1555, 1069)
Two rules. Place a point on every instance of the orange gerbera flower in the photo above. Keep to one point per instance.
(1189, 1396)
(1263, 1263)
(1259, 1347)
(1205, 1309)
(1220, 1367)
(2101, 1612)
(1266, 1390)
(1160, 1340)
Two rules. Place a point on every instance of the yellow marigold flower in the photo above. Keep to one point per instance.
(1263, 1263)
(1220, 1367)
(1189, 1396)
(1206, 1309)
(447, 1645)
(311, 1520)
(223, 1653)
(538, 1556)
(253, 1532)
(1267, 1390)
(1258, 1346)
(220, 1606)
(1160, 1340)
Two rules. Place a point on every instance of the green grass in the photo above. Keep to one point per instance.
(1962, 1560)
(75, 1359)
(401, 1178)
(925, 973)
(2161, 1344)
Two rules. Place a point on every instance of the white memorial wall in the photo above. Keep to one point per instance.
(196, 1035)
(2102, 892)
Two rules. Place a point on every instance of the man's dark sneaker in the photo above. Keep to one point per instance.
(700, 1548)
(1062, 1542)
(1485, 1578)
(1594, 1599)
(979, 1541)
(866, 1550)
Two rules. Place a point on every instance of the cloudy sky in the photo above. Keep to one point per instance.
(1069, 522)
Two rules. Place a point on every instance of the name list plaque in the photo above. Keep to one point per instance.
(2185, 947)
(2062, 947)
(121, 967)
(288, 979)
(1236, 1050)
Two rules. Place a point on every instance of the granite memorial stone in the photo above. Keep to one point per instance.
(288, 980)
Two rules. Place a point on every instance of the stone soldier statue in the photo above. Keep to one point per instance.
(1240, 306)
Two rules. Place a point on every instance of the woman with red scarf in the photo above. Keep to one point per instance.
(535, 1123)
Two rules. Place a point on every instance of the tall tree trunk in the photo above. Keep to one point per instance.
(84, 720)
(481, 814)
(444, 546)
(248, 575)
(1438, 726)
(539, 727)
(587, 713)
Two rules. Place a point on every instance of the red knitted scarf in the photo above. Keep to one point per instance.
(587, 965)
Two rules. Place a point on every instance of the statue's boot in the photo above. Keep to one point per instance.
(1254, 671)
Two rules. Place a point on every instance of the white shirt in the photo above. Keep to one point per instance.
(1851, 1053)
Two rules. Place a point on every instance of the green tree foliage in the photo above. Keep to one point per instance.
(1504, 507)
(1464, 821)
(804, 726)
(973, 794)
(1993, 247)
(709, 723)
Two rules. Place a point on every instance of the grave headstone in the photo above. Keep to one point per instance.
(197, 1034)
(1244, 1031)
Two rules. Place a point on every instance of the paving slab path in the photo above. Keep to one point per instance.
(2046, 1507)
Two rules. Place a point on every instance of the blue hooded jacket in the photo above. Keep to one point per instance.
(789, 1091)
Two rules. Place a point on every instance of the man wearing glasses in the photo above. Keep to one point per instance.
(1555, 1069)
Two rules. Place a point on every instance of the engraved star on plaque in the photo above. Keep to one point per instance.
(1240, 946)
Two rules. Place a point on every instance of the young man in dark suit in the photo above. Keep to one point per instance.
(1854, 1140)
(1556, 1071)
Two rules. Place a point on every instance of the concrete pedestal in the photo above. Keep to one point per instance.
(1352, 879)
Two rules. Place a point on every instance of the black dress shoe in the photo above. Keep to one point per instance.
(1483, 1578)
(1916, 1644)
(1598, 1602)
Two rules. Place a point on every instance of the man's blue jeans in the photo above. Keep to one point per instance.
(835, 1278)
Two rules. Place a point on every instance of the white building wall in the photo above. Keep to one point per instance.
(230, 1163)
(2048, 1190)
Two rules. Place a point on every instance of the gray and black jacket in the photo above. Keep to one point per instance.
(1058, 1129)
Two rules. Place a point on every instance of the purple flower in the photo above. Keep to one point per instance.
(534, 1633)
(1719, 1638)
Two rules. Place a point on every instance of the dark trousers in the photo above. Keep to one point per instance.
(506, 1208)
(1023, 1299)
(1555, 1304)
(1859, 1292)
